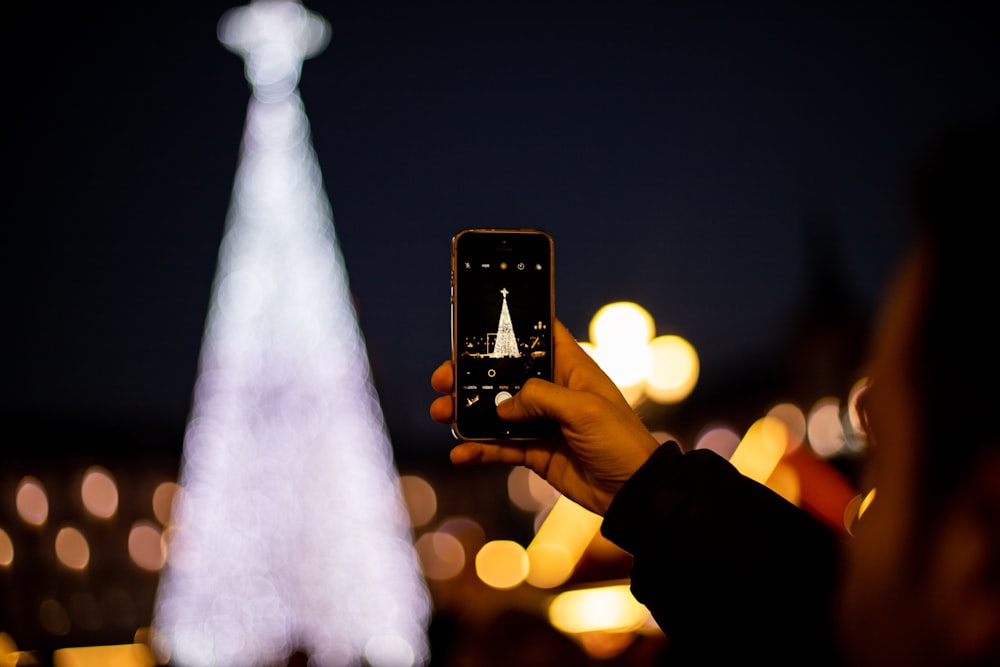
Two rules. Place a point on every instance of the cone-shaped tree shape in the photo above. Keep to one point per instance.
(506, 342)
(290, 530)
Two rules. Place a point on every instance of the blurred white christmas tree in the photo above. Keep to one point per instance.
(290, 531)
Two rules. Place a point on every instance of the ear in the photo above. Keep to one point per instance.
(966, 588)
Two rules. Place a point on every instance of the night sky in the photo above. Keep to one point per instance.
(677, 152)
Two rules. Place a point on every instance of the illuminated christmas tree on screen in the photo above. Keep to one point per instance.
(505, 344)
(290, 531)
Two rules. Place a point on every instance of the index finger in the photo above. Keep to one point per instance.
(576, 369)
(443, 378)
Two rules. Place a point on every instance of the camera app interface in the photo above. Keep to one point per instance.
(503, 336)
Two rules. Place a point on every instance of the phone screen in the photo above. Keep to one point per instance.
(502, 310)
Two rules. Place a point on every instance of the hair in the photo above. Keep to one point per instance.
(953, 197)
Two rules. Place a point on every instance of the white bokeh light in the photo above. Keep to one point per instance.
(289, 530)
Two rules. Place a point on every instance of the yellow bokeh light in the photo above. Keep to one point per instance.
(7, 645)
(528, 490)
(794, 420)
(673, 371)
(99, 492)
(857, 506)
(560, 543)
(626, 365)
(825, 432)
(441, 555)
(122, 655)
(619, 337)
(784, 480)
(502, 564)
(420, 499)
(664, 369)
(604, 646)
(866, 503)
(761, 448)
(163, 501)
(606, 608)
(146, 546)
(31, 501)
(550, 565)
(629, 382)
(72, 549)
(621, 324)
(6, 549)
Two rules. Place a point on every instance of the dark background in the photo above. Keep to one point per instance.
(684, 156)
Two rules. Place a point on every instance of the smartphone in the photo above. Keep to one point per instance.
(502, 308)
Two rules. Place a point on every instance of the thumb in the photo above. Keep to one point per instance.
(537, 399)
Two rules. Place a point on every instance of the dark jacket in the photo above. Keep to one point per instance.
(732, 572)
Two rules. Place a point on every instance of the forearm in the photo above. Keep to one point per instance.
(715, 552)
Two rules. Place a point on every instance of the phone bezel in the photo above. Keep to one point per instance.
(504, 431)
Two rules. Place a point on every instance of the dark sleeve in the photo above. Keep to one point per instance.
(730, 570)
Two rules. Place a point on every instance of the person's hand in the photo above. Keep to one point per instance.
(601, 440)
